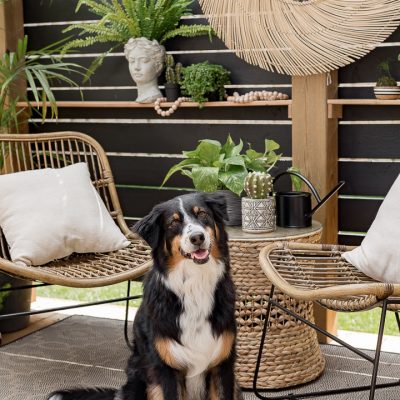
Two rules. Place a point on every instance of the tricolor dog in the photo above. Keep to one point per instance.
(184, 330)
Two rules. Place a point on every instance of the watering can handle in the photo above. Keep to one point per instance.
(304, 179)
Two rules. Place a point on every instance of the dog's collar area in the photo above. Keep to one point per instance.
(200, 256)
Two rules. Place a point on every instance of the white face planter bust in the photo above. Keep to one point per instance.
(146, 62)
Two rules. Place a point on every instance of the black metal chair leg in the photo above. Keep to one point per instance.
(126, 334)
(397, 319)
(262, 341)
(378, 350)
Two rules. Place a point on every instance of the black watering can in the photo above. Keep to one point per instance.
(293, 209)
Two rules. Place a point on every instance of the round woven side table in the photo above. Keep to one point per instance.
(291, 354)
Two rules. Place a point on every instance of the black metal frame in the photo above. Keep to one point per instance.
(127, 298)
(373, 360)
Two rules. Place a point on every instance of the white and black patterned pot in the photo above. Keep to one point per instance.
(258, 215)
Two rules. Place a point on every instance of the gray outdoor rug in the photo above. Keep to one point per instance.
(85, 351)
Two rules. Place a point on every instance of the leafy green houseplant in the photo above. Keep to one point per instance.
(120, 21)
(29, 66)
(203, 79)
(213, 166)
(386, 86)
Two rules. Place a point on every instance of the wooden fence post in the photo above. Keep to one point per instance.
(315, 152)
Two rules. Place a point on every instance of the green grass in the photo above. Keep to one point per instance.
(94, 294)
(366, 321)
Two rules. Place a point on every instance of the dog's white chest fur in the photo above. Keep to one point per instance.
(195, 286)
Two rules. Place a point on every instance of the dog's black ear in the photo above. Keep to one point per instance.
(217, 203)
(149, 227)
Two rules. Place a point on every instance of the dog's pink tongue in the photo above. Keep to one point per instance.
(200, 254)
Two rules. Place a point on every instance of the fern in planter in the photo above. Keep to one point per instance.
(200, 80)
(120, 21)
(213, 166)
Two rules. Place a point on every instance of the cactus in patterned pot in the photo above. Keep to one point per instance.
(258, 185)
(258, 210)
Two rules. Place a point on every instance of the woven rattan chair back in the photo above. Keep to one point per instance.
(24, 152)
(57, 150)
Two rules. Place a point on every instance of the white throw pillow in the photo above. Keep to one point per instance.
(378, 256)
(50, 213)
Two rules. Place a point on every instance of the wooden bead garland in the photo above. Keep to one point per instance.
(172, 109)
(257, 96)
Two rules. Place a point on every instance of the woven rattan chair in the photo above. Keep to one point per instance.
(56, 150)
(314, 272)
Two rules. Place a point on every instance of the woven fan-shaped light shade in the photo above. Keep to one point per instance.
(302, 37)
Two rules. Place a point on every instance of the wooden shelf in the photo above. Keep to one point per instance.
(132, 104)
(335, 106)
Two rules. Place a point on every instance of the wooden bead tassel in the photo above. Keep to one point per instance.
(257, 96)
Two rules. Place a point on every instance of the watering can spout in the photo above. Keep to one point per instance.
(327, 197)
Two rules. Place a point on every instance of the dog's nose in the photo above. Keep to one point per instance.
(197, 238)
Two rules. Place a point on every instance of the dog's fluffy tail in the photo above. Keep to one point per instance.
(83, 394)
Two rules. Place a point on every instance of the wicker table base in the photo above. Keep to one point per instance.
(291, 353)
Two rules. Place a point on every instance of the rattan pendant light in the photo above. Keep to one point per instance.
(302, 37)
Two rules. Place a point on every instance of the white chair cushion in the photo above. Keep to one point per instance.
(378, 256)
(50, 213)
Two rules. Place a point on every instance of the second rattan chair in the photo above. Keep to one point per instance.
(313, 272)
(55, 150)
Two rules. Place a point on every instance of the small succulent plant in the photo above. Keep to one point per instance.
(258, 185)
(385, 79)
(173, 72)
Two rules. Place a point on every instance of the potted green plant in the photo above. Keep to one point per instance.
(28, 66)
(205, 81)
(16, 67)
(386, 86)
(213, 166)
(142, 26)
(258, 209)
(173, 78)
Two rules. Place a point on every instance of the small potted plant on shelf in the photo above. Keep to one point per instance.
(212, 166)
(258, 209)
(386, 86)
(173, 78)
(205, 82)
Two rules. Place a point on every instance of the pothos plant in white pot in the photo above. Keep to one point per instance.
(142, 27)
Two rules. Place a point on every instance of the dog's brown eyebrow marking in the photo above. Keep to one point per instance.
(196, 210)
(176, 217)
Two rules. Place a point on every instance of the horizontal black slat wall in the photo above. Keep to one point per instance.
(369, 143)
(142, 146)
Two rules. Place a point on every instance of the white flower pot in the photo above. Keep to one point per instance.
(146, 62)
(258, 215)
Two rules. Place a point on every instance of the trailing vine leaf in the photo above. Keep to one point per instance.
(234, 178)
(205, 178)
